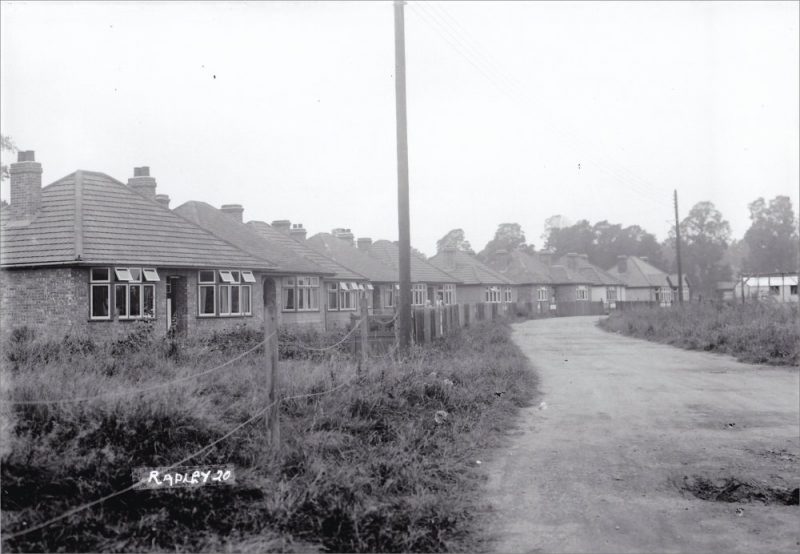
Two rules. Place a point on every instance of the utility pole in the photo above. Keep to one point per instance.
(678, 249)
(404, 312)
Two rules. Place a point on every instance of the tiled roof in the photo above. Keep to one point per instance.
(522, 268)
(330, 266)
(388, 253)
(286, 259)
(640, 274)
(468, 269)
(351, 257)
(91, 218)
(590, 273)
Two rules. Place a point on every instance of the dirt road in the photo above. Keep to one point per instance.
(628, 427)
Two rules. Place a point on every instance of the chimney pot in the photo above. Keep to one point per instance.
(26, 187)
(344, 234)
(163, 199)
(143, 171)
(233, 210)
(298, 232)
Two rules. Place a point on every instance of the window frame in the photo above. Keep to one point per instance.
(581, 293)
(449, 294)
(348, 296)
(542, 291)
(492, 295)
(221, 283)
(419, 290)
(97, 282)
(508, 295)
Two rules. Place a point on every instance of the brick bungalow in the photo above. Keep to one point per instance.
(646, 283)
(477, 281)
(88, 253)
(429, 284)
(531, 276)
(602, 286)
(383, 285)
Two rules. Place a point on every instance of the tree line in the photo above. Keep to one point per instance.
(708, 253)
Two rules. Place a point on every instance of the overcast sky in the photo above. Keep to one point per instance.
(516, 111)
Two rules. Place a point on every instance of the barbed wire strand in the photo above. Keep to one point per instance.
(258, 414)
(331, 347)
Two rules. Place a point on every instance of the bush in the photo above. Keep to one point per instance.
(767, 333)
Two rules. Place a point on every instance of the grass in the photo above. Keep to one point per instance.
(365, 468)
(764, 333)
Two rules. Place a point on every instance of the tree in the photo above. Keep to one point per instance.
(604, 241)
(772, 236)
(454, 239)
(508, 237)
(704, 240)
(6, 145)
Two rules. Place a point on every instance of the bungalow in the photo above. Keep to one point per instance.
(89, 253)
(531, 276)
(477, 281)
(776, 287)
(429, 284)
(342, 290)
(601, 286)
(383, 280)
(299, 280)
(646, 283)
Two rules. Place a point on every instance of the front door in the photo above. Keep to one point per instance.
(174, 307)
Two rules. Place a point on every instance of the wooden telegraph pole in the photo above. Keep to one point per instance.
(678, 249)
(404, 311)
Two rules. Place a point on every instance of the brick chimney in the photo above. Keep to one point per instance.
(622, 264)
(233, 210)
(26, 187)
(503, 257)
(344, 234)
(572, 260)
(282, 225)
(142, 183)
(364, 243)
(163, 199)
(298, 231)
(449, 256)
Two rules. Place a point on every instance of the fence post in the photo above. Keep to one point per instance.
(364, 334)
(271, 366)
(426, 324)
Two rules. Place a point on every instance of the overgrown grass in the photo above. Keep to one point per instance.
(765, 333)
(365, 468)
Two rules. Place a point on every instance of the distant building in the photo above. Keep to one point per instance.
(477, 281)
(777, 287)
(646, 283)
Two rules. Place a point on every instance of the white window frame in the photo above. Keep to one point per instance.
(542, 294)
(150, 275)
(348, 296)
(129, 279)
(508, 295)
(248, 277)
(222, 284)
(611, 294)
(492, 295)
(389, 294)
(419, 294)
(305, 286)
(100, 283)
(581, 293)
(449, 294)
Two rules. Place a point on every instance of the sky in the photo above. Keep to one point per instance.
(517, 111)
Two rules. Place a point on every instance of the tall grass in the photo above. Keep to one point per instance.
(766, 333)
(365, 468)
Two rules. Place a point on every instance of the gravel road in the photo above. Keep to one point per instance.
(628, 430)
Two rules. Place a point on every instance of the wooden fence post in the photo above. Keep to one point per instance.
(364, 334)
(271, 366)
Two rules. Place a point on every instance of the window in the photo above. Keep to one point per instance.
(99, 293)
(449, 295)
(611, 294)
(419, 294)
(333, 296)
(389, 294)
(793, 289)
(582, 293)
(220, 293)
(301, 294)
(774, 290)
(348, 295)
(492, 295)
(132, 298)
(508, 295)
(541, 294)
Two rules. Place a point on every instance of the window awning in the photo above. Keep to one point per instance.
(370, 287)
(361, 287)
(353, 286)
(150, 274)
(225, 276)
(344, 286)
(247, 277)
